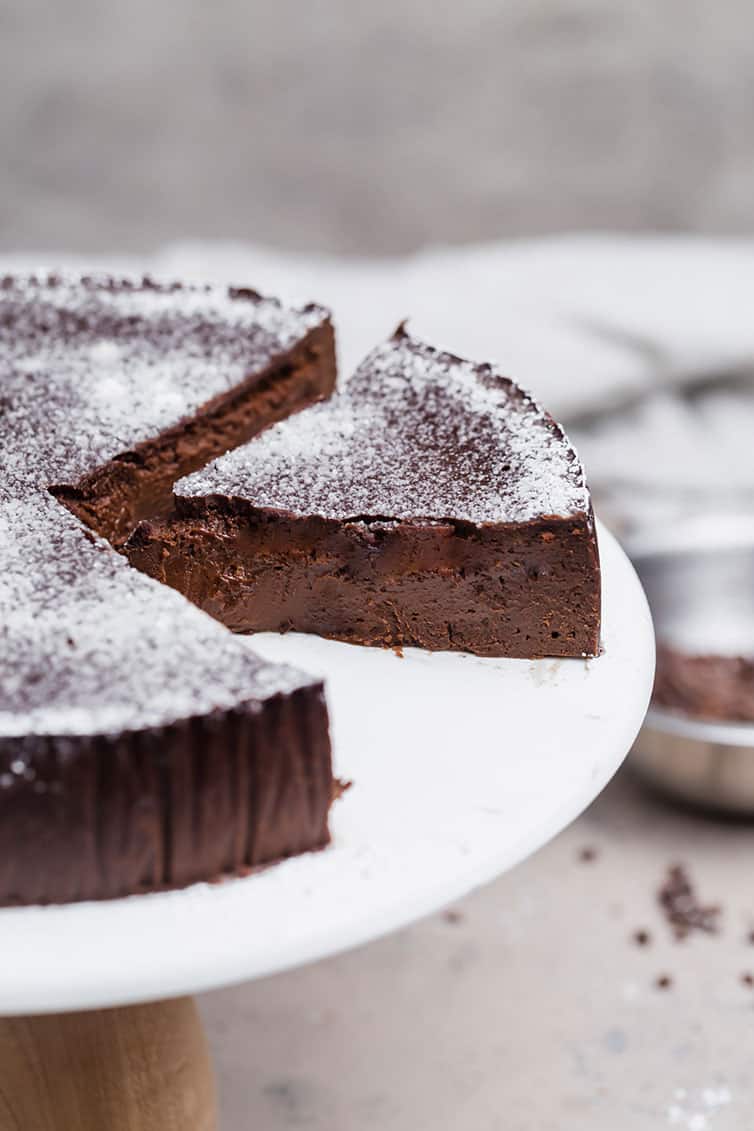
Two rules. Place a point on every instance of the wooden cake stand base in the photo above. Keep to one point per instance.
(138, 1068)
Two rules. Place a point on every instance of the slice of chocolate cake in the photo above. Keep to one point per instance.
(141, 745)
(431, 502)
(704, 686)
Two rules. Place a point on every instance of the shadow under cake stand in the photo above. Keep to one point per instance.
(462, 767)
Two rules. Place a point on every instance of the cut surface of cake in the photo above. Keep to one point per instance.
(141, 745)
(117, 387)
(704, 686)
(429, 502)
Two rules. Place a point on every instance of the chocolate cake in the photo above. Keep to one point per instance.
(141, 745)
(705, 686)
(430, 502)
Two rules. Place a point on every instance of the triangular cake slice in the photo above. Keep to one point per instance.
(429, 502)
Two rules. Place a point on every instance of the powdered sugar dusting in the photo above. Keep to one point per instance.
(88, 369)
(415, 433)
(91, 368)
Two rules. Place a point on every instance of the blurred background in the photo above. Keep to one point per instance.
(371, 128)
(566, 186)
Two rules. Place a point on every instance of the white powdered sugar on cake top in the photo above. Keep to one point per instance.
(92, 367)
(415, 433)
(88, 369)
(91, 646)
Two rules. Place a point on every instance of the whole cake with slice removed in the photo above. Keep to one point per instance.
(141, 745)
(429, 502)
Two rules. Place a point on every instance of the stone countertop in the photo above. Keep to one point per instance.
(529, 1006)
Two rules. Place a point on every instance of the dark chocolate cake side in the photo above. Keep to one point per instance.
(141, 746)
(708, 686)
(430, 502)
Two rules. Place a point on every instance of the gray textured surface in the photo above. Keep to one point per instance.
(370, 127)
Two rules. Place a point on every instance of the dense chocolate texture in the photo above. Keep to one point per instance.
(430, 502)
(706, 687)
(141, 745)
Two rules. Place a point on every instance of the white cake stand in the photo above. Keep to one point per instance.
(461, 767)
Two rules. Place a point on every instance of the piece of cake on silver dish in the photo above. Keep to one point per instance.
(697, 742)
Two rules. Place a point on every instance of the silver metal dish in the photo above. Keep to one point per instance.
(705, 763)
(699, 580)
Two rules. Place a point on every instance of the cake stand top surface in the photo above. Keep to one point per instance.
(461, 767)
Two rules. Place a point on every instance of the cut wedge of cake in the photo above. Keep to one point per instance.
(429, 502)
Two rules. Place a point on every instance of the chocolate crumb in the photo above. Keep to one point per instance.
(682, 908)
(339, 787)
(642, 937)
(747, 979)
(452, 916)
(663, 982)
(588, 854)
